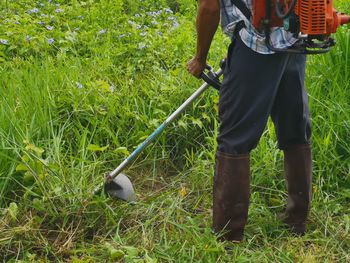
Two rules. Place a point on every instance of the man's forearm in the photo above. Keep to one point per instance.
(208, 19)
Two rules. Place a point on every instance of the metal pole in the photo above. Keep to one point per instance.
(159, 130)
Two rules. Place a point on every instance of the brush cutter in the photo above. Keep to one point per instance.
(117, 185)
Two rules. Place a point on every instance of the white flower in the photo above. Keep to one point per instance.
(142, 46)
(79, 85)
(35, 10)
(103, 31)
(49, 28)
(152, 14)
(131, 22)
(168, 11)
(143, 34)
(50, 41)
(4, 41)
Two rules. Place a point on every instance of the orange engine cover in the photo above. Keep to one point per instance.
(317, 17)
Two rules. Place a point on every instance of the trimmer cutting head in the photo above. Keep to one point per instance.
(120, 188)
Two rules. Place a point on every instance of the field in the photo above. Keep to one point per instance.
(83, 83)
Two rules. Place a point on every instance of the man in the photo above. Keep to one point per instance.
(257, 83)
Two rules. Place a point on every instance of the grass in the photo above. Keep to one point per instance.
(74, 110)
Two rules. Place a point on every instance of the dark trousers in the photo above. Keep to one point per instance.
(257, 86)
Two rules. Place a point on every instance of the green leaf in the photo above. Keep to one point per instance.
(13, 210)
(28, 178)
(25, 158)
(327, 139)
(131, 251)
(32, 147)
(274, 201)
(102, 85)
(21, 168)
(148, 259)
(182, 124)
(205, 116)
(197, 122)
(122, 150)
(38, 204)
(154, 122)
(116, 254)
(97, 148)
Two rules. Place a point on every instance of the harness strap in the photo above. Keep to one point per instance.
(240, 25)
(243, 8)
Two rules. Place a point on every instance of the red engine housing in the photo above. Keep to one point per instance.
(259, 15)
(317, 17)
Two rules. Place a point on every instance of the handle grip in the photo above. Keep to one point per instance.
(214, 82)
(211, 77)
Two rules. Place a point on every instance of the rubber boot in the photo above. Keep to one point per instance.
(298, 173)
(231, 195)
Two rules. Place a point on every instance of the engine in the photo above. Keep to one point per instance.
(313, 21)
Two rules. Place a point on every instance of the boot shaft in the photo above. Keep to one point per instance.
(298, 173)
(231, 195)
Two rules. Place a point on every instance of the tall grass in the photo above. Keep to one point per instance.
(67, 117)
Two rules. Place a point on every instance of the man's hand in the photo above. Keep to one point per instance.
(208, 18)
(196, 66)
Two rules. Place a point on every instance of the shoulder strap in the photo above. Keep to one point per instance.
(243, 8)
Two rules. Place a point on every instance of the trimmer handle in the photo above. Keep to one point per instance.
(212, 81)
(211, 77)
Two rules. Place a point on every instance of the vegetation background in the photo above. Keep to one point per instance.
(82, 83)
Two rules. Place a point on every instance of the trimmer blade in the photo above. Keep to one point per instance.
(120, 188)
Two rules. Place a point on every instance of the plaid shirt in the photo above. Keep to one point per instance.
(231, 15)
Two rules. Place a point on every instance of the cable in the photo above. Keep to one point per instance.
(279, 7)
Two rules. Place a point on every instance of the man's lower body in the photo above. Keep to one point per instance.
(255, 87)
